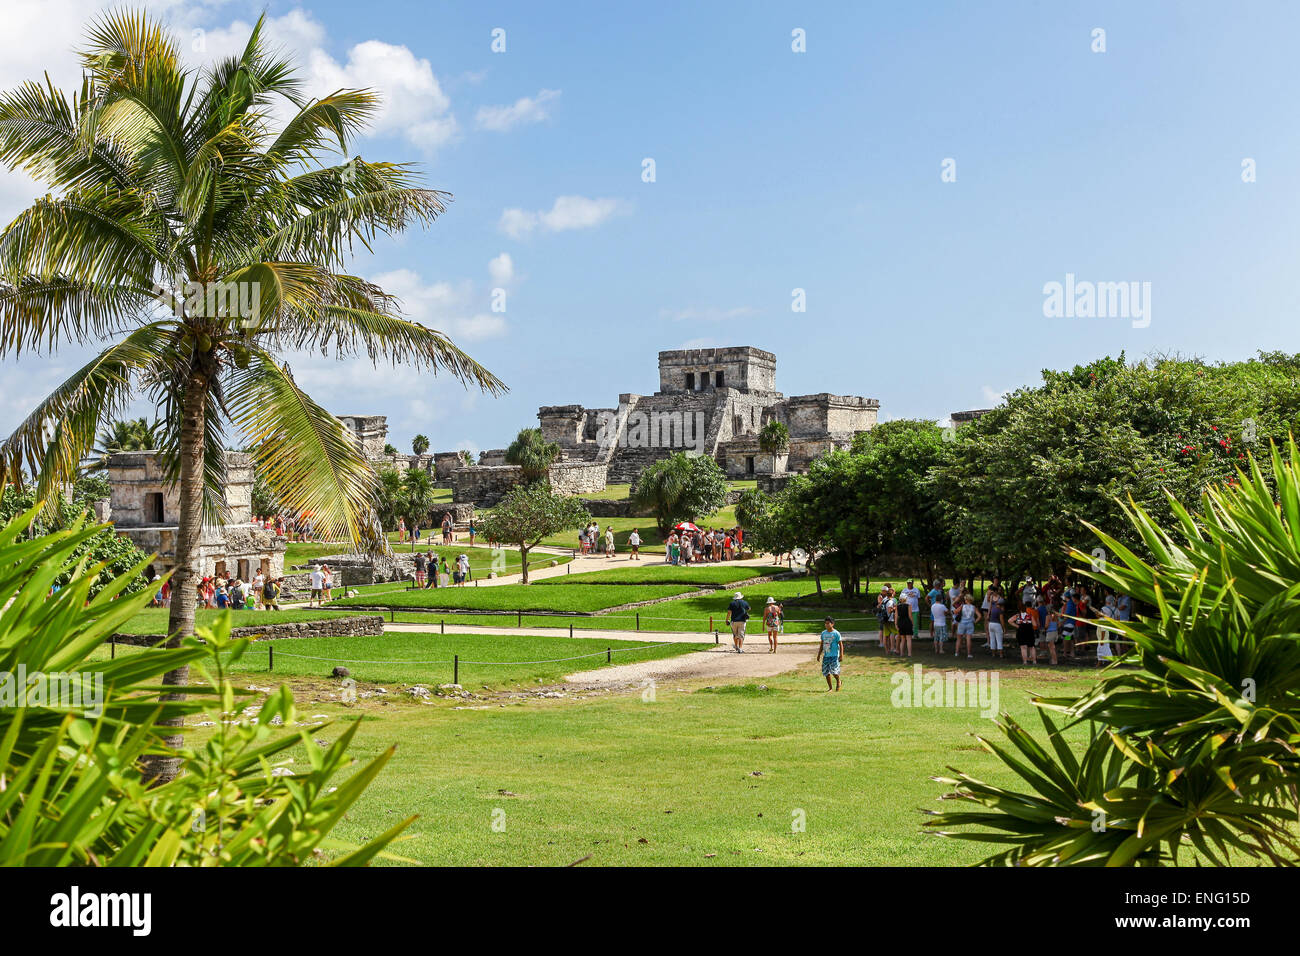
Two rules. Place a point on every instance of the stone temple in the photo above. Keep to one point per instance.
(712, 401)
(146, 508)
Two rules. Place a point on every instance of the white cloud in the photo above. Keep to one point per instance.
(501, 269)
(993, 396)
(445, 306)
(567, 212)
(412, 102)
(707, 313)
(526, 109)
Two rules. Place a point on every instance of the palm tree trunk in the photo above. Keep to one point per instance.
(180, 615)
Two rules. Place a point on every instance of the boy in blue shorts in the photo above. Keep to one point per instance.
(828, 652)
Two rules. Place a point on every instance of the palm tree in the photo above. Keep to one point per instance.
(533, 454)
(774, 440)
(200, 241)
(136, 434)
(420, 444)
(417, 499)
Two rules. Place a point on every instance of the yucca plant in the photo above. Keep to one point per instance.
(1196, 747)
(71, 788)
(201, 240)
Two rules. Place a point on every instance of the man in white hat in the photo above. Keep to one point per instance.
(737, 615)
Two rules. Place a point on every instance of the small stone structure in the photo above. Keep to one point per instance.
(486, 485)
(145, 507)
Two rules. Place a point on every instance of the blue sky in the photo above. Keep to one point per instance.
(778, 170)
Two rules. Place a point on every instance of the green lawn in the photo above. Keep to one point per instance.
(657, 572)
(498, 661)
(523, 597)
(717, 776)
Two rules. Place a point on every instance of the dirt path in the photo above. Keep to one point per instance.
(709, 665)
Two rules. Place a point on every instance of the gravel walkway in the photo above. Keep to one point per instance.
(708, 665)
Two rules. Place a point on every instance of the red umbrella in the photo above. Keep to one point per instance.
(685, 526)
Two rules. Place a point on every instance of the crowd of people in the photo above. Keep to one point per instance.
(686, 546)
(432, 571)
(260, 593)
(1052, 619)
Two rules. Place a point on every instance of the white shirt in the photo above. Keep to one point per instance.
(913, 597)
(317, 580)
(939, 613)
(634, 539)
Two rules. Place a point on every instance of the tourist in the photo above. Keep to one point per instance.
(737, 615)
(222, 598)
(446, 528)
(444, 576)
(419, 570)
(609, 542)
(472, 531)
(772, 614)
(1028, 594)
(996, 610)
(582, 541)
(903, 623)
(328, 582)
(462, 569)
(634, 542)
(1069, 611)
(401, 530)
(431, 569)
(271, 593)
(1026, 623)
(238, 595)
(938, 623)
(317, 586)
(967, 615)
(828, 652)
(1050, 624)
(885, 603)
(259, 581)
(671, 547)
(729, 548)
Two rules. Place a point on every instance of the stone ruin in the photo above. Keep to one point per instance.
(145, 507)
(713, 402)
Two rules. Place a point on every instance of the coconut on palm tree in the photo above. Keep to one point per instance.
(196, 239)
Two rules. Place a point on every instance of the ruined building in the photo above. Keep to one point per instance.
(146, 508)
(714, 402)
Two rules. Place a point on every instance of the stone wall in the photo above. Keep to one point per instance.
(370, 432)
(361, 625)
(741, 367)
(570, 478)
(483, 485)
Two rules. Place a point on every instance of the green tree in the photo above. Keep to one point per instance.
(417, 499)
(679, 488)
(137, 434)
(533, 454)
(199, 238)
(420, 444)
(774, 439)
(111, 555)
(1193, 749)
(527, 514)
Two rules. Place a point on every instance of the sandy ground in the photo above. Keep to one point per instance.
(711, 664)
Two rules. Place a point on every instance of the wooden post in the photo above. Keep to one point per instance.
(455, 668)
(519, 618)
(711, 623)
(270, 651)
(570, 629)
(112, 648)
(638, 620)
(609, 656)
(442, 626)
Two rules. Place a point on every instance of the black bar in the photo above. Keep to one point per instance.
(455, 669)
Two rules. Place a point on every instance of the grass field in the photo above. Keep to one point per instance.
(700, 775)
(523, 597)
(659, 573)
